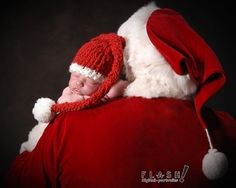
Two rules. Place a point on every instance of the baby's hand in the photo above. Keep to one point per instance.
(66, 92)
(68, 96)
(117, 89)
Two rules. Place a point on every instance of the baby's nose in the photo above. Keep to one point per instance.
(81, 84)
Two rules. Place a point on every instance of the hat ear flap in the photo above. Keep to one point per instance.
(117, 44)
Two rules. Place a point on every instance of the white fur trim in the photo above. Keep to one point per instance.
(151, 74)
(42, 110)
(33, 137)
(75, 67)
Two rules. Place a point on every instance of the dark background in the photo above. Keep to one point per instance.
(38, 41)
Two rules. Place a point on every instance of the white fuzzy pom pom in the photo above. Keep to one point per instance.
(214, 164)
(42, 110)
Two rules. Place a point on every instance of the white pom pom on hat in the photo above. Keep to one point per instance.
(42, 110)
(214, 164)
(187, 53)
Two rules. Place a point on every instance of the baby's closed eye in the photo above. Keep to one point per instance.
(91, 82)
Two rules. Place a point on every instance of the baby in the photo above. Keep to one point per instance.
(95, 77)
(81, 87)
(96, 69)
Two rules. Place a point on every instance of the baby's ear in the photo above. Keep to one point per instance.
(123, 73)
(123, 76)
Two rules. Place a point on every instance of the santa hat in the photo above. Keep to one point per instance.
(187, 53)
(100, 59)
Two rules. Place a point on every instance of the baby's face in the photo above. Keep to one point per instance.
(82, 85)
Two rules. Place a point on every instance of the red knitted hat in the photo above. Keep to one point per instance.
(100, 59)
(187, 52)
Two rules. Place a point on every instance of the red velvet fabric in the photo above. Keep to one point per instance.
(108, 146)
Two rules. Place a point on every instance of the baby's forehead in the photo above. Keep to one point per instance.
(77, 75)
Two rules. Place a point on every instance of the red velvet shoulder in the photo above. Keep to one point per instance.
(121, 143)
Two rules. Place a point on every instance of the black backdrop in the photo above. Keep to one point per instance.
(39, 40)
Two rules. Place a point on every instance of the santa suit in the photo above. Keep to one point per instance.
(110, 146)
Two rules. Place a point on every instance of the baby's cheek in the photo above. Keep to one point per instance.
(72, 83)
(90, 89)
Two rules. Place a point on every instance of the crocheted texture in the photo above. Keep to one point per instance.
(104, 54)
